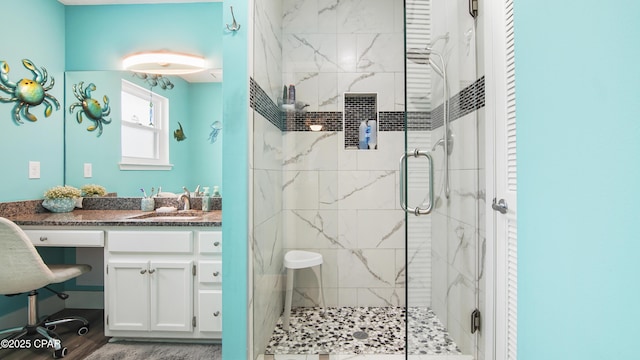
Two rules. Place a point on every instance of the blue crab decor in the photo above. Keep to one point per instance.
(27, 92)
(90, 107)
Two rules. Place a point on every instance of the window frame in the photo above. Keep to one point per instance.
(161, 159)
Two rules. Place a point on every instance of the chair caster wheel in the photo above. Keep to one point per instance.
(60, 353)
(83, 330)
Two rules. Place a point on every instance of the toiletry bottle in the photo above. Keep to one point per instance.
(373, 136)
(362, 131)
(367, 136)
(292, 94)
(285, 97)
(206, 200)
(216, 191)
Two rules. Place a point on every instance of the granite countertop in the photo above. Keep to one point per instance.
(81, 217)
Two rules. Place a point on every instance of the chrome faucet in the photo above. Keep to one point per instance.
(187, 199)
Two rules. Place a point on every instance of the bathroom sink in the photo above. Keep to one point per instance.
(168, 216)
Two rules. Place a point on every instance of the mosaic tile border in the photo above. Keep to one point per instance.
(295, 121)
(469, 99)
(262, 103)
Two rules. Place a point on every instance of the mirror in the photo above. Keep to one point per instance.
(92, 157)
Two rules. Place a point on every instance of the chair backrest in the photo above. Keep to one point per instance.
(21, 267)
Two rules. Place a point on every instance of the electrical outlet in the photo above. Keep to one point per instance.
(34, 169)
(87, 170)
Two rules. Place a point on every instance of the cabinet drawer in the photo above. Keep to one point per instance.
(210, 242)
(150, 241)
(80, 238)
(210, 310)
(210, 272)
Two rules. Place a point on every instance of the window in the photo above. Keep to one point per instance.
(144, 129)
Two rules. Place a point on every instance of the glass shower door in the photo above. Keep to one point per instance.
(440, 179)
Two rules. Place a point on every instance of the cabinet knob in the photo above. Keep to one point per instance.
(143, 271)
(216, 273)
(152, 271)
(217, 243)
(216, 314)
(43, 238)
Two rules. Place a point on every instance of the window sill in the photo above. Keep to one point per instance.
(129, 166)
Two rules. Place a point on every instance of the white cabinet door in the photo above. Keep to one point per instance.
(171, 295)
(210, 310)
(128, 295)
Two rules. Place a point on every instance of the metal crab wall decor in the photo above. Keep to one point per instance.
(27, 92)
(90, 107)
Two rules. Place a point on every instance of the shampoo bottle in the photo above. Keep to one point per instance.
(362, 132)
(373, 135)
(292, 94)
(206, 200)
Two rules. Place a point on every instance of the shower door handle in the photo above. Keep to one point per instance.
(403, 175)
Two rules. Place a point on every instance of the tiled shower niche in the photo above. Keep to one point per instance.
(358, 107)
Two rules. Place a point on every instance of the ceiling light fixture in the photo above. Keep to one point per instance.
(164, 63)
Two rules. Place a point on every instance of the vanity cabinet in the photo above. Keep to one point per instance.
(163, 284)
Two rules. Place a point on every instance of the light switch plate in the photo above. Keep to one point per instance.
(87, 170)
(34, 169)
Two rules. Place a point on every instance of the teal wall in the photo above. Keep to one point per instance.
(98, 37)
(206, 157)
(43, 43)
(235, 180)
(577, 79)
(39, 37)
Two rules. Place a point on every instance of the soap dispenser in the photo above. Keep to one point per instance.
(206, 200)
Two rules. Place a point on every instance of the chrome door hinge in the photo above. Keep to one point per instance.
(107, 270)
(107, 319)
(473, 8)
(193, 270)
(193, 322)
(475, 320)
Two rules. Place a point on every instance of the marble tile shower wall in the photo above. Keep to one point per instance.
(334, 47)
(265, 193)
(455, 231)
(342, 203)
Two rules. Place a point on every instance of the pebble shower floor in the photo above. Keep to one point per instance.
(315, 332)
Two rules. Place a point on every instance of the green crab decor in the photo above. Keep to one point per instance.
(90, 107)
(27, 92)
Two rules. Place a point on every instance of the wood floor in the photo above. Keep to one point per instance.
(78, 347)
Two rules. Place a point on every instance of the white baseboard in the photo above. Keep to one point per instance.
(53, 304)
